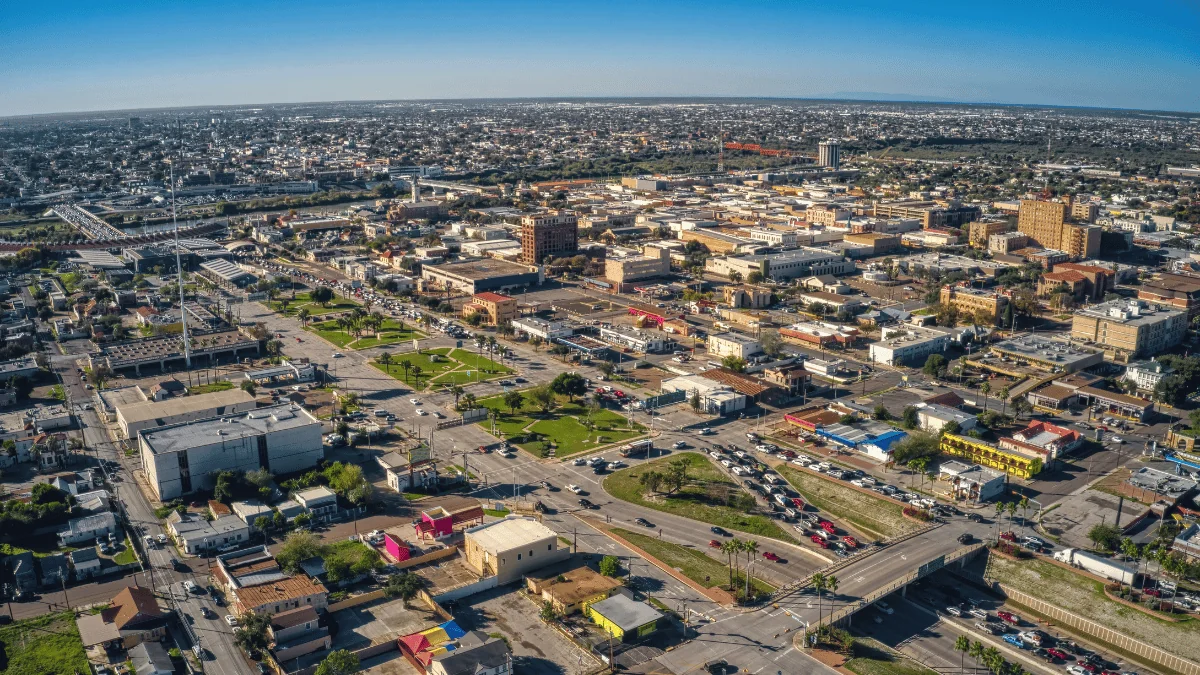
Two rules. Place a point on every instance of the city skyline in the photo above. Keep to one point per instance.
(137, 56)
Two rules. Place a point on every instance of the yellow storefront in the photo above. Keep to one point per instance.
(991, 456)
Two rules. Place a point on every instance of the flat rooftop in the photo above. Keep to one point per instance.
(137, 352)
(1128, 312)
(140, 412)
(177, 437)
(475, 270)
(1038, 348)
(510, 533)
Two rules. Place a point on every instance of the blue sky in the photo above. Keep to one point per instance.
(70, 56)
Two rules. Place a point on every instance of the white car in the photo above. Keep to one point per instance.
(190, 586)
(726, 463)
(231, 620)
(579, 461)
(574, 488)
(1076, 670)
(679, 444)
(415, 401)
(1117, 439)
(336, 355)
(799, 462)
(421, 412)
(884, 607)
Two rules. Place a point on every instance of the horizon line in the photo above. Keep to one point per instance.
(897, 99)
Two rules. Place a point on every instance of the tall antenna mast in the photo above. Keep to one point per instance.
(721, 151)
(1049, 135)
(187, 343)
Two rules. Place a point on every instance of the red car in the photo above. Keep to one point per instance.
(770, 556)
(1008, 536)
(1153, 592)
(828, 526)
(798, 503)
(819, 541)
(1009, 617)
(1090, 667)
(619, 394)
(1056, 653)
(714, 543)
(850, 541)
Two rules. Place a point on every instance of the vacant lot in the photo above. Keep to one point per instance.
(871, 658)
(564, 428)
(693, 564)
(873, 515)
(703, 498)
(1085, 596)
(46, 644)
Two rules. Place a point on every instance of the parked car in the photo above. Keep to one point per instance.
(1009, 617)
(1015, 641)
(954, 611)
(884, 607)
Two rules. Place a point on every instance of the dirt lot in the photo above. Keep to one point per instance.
(537, 648)
(1085, 596)
(866, 512)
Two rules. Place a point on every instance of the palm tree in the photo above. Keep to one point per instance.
(457, 391)
(303, 315)
(416, 372)
(1024, 504)
(1003, 395)
(406, 365)
(976, 651)
(728, 548)
(750, 547)
(999, 512)
(1012, 511)
(385, 359)
(993, 659)
(469, 401)
(831, 585)
(962, 645)
(818, 582)
(985, 389)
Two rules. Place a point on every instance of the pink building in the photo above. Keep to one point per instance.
(396, 548)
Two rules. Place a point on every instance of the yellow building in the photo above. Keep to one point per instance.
(1081, 241)
(623, 617)
(980, 452)
(498, 308)
(1085, 212)
(979, 232)
(879, 242)
(748, 297)
(1043, 221)
(1129, 328)
(973, 301)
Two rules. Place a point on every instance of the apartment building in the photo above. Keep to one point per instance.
(1085, 212)
(1097, 281)
(548, 235)
(826, 214)
(496, 307)
(181, 458)
(975, 302)
(1007, 242)
(746, 297)
(980, 232)
(1046, 222)
(1127, 329)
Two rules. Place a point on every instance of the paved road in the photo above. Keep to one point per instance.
(215, 636)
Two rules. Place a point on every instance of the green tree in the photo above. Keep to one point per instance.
(298, 547)
(909, 418)
(754, 277)
(322, 295)
(1105, 536)
(610, 566)
(569, 385)
(914, 446)
(962, 645)
(543, 396)
(985, 389)
(695, 402)
(251, 633)
(248, 387)
(935, 365)
(1003, 396)
(405, 586)
(339, 662)
(385, 360)
(548, 613)
(734, 363)
(735, 277)
(881, 413)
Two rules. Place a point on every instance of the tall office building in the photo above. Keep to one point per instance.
(552, 235)
(829, 154)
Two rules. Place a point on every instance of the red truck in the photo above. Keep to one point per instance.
(827, 526)
(819, 541)
(850, 541)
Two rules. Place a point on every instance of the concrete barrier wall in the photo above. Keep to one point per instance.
(485, 584)
(356, 601)
(439, 554)
(1104, 634)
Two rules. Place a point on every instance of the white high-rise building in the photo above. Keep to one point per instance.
(829, 153)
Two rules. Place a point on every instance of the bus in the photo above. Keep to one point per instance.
(637, 448)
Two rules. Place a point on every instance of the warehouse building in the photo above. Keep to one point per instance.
(477, 276)
(511, 548)
(181, 458)
(908, 345)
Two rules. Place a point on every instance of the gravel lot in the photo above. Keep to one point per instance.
(1085, 596)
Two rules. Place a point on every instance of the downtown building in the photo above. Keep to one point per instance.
(548, 235)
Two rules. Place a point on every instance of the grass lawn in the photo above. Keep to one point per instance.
(314, 308)
(1085, 596)
(390, 333)
(127, 554)
(45, 644)
(425, 359)
(537, 432)
(693, 564)
(220, 385)
(331, 332)
(872, 515)
(496, 513)
(701, 500)
(870, 658)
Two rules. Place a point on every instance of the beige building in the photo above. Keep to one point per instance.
(1007, 242)
(498, 308)
(826, 214)
(732, 344)
(880, 243)
(1128, 329)
(1085, 212)
(746, 297)
(973, 301)
(1045, 222)
(979, 233)
(511, 548)
(135, 417)
(654, 262)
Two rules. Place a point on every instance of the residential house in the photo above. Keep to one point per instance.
(24, 576)
(55, 570)
(150, 658)
(297, 632)
(88, 528)
(477, 654)
(196, 535)
(85, 562)
(133, 617)
(320, 502)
